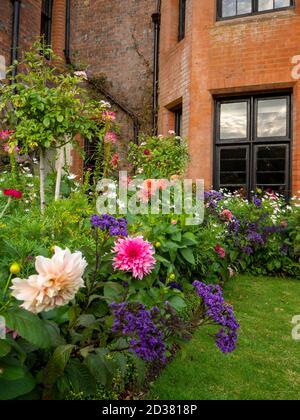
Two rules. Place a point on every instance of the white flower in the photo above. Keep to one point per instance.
(56, 284)
(81, 74)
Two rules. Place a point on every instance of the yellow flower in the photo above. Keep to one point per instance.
(15, 268)
(172, 277)
(157, 245)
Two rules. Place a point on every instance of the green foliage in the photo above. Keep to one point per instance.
(46, 107)
(159, 157)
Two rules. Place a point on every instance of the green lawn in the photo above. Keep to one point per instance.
(266, 364)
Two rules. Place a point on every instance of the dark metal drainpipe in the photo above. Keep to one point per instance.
(15, 34)
(68, 32)
(156, 23)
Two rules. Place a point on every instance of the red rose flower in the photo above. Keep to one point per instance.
(13, 193)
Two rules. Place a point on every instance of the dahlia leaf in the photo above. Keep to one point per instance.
(10, 390)
(57, 365)
(81, 378)
(188, 255)
(4, 348)
(28, 326)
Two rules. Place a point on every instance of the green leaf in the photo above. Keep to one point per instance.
(47, 122)
(4, 348)
(28, 326)
(11, 371)
(97, 367)
(177, 302)
(177, 236)
(57, 364)
(54, 334)
(188, 255)
(10, 390)
(113, 291)
(86, 320)
(190, 238)
(60, 118)
(81, 379)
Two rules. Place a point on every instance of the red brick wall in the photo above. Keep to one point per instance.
(30, 23)
(115, 39)
(5, 28)
(238, 55)
(175, 66)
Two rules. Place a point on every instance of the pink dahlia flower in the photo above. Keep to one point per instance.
(56, 284)
(134, 255)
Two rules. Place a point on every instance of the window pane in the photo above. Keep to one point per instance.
(271, 167)
(244, 7)
(234, 124)
(228, 8)
(282, 3)
(233, 167)
(272, 118)
(265, 5)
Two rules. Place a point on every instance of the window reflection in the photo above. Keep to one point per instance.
(234, 121)
(233, 167)
(244, 7)
(271, 166)
(272, 118)
(229, 8)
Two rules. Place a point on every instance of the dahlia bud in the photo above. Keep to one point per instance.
(15, 268)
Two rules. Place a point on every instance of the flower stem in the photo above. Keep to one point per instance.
(5, 208)
(42, 180)
(7, 285)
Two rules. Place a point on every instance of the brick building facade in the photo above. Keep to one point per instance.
(227, 78)
(233, 74)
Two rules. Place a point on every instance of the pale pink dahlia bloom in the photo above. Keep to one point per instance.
(134, 255)
(56, 284)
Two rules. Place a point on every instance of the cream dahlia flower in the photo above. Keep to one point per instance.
(56, 284)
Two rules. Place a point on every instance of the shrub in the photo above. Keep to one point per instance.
(159, 157)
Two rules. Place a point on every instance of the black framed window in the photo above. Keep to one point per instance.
(234, 8)
(253, 143)
(182, 18)
(46, 21)
(178, 121)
